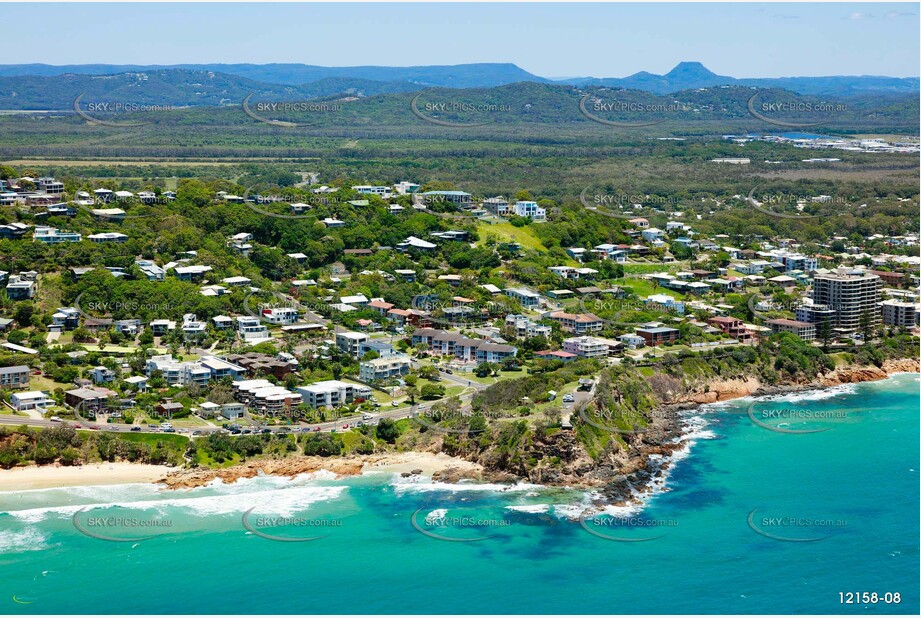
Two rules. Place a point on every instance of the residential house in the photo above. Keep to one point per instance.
(384, 368)
(30, 400)
(658, 335)
(14, 377)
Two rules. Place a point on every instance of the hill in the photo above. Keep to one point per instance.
(455, 76)
(687, 75)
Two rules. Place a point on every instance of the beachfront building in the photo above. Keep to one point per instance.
(854, 295)
(803, 330)
(384, 368)
(332, 393)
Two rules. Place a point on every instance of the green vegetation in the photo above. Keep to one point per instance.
(69, 447)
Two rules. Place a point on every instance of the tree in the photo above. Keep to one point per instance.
(23, 314)
(432, 391)
(823, 331)
(866, 326)
(387, 431)
(484, 370)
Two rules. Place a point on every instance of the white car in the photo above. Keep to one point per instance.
(55, 419)
(568, 398)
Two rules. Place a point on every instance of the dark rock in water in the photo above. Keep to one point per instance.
(405, 474)
(416, 471)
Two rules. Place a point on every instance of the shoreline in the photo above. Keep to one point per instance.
(651, 478)
(88, 475)
(638, 485)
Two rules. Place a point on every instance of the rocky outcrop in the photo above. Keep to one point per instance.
(289, 466)
(720, 390)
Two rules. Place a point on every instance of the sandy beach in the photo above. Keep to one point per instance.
(429, 463)
(45, 477)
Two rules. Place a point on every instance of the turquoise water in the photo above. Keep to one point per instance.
(852, 487)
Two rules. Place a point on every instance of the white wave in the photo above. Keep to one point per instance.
(436, 515)
(529, 508)
(282, 502)
(815, 395)
(402, 487)
(26, 540)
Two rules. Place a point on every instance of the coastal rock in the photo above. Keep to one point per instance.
(289, 466)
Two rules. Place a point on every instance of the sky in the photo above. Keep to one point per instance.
(550, 40)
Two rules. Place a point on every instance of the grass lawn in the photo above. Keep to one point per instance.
(657, 267)
(451, 389)
(380, 396)
(351, 439)
(189, 421)
(503, 375)
(44, 383)
(506, 232)
(645, 288)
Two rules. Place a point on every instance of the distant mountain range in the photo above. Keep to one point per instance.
(455, 76)
(40, 86)
(689, 75)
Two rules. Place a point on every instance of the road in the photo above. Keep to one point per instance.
(395, 413)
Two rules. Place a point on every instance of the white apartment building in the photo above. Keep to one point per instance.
(332, 393)
(586, 347)
(530, 209)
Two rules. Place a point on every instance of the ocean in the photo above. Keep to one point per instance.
(787, 505)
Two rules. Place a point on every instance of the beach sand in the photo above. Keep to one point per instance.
(429, 463)
(45, 477)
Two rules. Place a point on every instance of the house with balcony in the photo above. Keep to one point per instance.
(30, 400)
(14, 377)
(530, 209)
(577, 323)
(53, 236)
(332, 393)
(251, 330)
(526, 298)
(384, 368)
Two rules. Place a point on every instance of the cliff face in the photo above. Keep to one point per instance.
(629, 465)
(624, 469)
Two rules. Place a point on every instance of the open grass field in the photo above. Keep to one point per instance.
(506, 232)
(644, 287)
